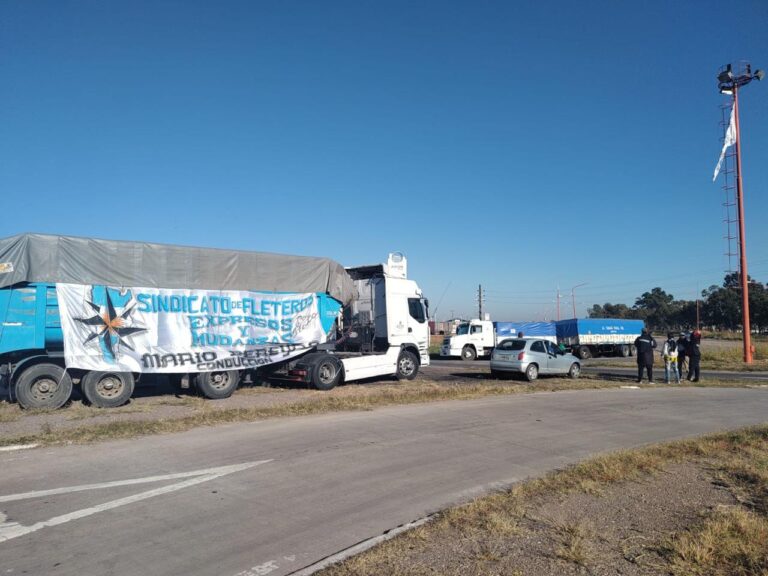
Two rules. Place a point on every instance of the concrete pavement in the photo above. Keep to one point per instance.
(272, 497)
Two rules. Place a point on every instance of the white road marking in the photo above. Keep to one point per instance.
(66, 490)
(14, 447)
(10, 530)
(266, 568)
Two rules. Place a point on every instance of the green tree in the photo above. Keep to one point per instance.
(656, 307)
(609, 310)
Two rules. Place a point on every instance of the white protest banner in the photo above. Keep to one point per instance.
(171, 330)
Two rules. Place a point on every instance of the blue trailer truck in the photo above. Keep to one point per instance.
(101, 313)
(589, 337)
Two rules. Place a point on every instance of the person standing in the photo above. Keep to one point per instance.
(694, 356)
(682, 347)
(645, 344)
(669, 354)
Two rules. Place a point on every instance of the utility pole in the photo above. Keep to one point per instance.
(729, 83)
(698, 323)
(573, 297)
(558, 303)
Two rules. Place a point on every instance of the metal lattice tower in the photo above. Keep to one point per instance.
(730, 207)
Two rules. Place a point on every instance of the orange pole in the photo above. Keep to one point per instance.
(742, 239)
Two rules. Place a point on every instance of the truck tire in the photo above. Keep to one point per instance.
(632, 350)
(407, 366)
(217, 385)
(585, 352)
(575, 371)
(107, 389)
(43, 386)
(326, 373)
(468, 354)
(532, 372)
(623, 350)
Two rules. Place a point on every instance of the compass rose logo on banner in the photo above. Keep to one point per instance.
(111, 320)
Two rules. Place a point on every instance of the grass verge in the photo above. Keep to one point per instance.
(343, 399)
(480, 537)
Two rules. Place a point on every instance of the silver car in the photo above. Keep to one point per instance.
(532, 356)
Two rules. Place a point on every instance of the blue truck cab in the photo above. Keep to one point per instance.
(29, 321)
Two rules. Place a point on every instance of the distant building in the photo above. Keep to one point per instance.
(446, 327)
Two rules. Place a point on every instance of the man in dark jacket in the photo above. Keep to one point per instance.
(694, 356)
(645, 345)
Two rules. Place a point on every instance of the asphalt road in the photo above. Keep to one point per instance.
(275, 496)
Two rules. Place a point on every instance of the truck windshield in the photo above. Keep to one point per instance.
(462, 329)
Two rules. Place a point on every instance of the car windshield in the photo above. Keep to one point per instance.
(462, 329)
(512, 345)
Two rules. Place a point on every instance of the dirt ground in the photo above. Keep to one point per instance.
(622, 530)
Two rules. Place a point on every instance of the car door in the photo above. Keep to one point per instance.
(556, 363)
(538, 352)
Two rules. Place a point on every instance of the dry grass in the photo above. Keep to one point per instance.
(732, 542)
(343, 399)
(729, 542)
(574, 547)
(9, 413)
(731, 358)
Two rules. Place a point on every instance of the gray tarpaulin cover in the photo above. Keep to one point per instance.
(48, 258)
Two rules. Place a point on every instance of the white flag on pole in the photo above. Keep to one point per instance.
(730, 140)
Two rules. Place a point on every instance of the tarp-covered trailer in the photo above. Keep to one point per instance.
(545, 330)
(588, 337)
(101, 312)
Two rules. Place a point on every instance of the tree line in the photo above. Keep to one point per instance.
(718, 309)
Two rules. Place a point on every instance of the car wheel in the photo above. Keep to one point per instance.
(575, 371)
(468, 354)
(532, 372)
(108, 389)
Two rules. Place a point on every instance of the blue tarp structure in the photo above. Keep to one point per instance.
(603, 326)
(535, 329)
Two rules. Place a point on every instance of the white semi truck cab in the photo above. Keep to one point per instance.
(384, 331)
(474, 338)
(479, 337)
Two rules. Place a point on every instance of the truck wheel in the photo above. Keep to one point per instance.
(585, 352)
(532, 372)
(575, 371)
(326, 373)
(623, 350)
(108, 389)
(43, 386)
(217, 385)
(632, 350)
(407, 366)
(468, 354)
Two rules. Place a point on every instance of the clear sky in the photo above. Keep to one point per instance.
(518, 145)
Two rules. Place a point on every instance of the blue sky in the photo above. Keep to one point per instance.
(521, 146)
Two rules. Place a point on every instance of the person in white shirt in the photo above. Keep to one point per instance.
(669, 354)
